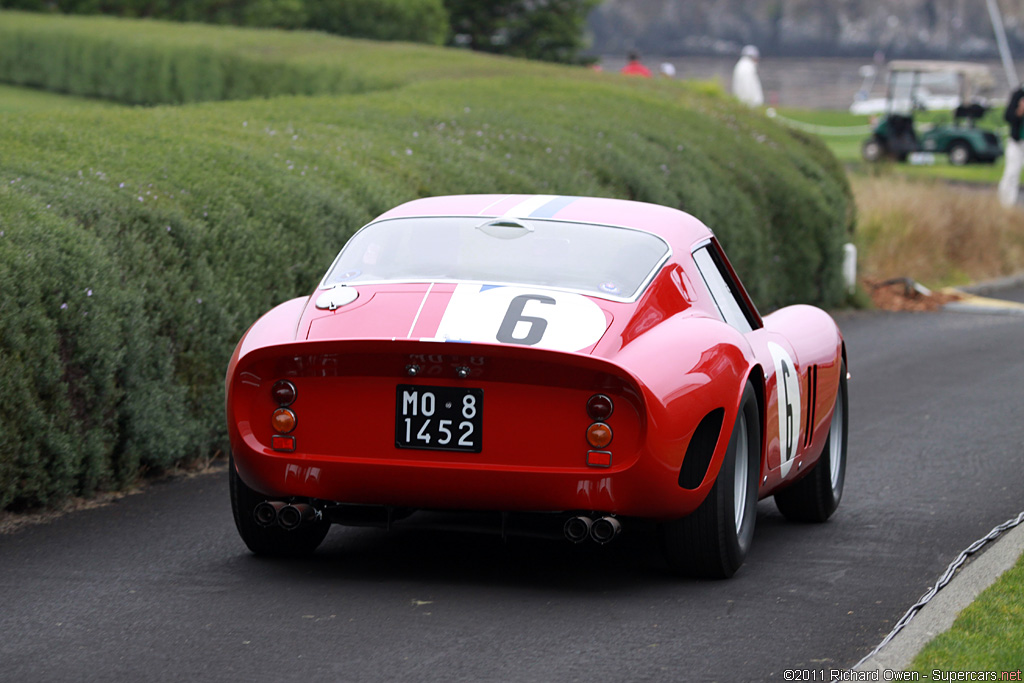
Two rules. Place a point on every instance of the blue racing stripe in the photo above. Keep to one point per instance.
(554, 206)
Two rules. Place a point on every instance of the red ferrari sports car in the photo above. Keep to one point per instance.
(582, 363)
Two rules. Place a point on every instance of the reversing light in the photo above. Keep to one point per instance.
(599, 435)
(600, 407)
(283, 421)
(284, 393)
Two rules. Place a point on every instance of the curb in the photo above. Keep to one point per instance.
(938, 614)
(990, 286)
(972, 299)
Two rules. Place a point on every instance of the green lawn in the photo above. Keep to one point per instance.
(987, 636)
(844, 133)
(17, 100)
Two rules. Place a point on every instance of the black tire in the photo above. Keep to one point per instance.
(815, 497)
(269, 540)
(872, 150)
(709, 543)
(960, 154)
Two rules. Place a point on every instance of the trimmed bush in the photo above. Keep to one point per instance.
(418, 21)
(187, 223)
(79, 364)
(150, 62)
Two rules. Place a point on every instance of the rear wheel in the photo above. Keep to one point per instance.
(713, 541)
(269, 540)
(960, 154)
(815, 497)
(872, 150)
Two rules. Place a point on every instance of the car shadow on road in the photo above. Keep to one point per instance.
(445, 556)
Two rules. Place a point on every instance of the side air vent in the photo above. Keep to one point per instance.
(701, 448)
(812, 403)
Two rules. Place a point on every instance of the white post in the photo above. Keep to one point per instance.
(850, 266)
(1004, 48)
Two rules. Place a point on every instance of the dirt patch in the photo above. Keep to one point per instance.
(902, 295)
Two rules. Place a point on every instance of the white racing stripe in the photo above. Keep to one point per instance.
(527, 207)
(419, 310)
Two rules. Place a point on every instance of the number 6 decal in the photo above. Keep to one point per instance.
(514, 316)
(546, 319)
(787, 387)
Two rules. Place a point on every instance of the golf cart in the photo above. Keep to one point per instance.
(911, 88)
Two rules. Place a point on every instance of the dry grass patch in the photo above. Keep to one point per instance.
(935, 233)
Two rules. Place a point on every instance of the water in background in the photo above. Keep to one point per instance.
(811, 82)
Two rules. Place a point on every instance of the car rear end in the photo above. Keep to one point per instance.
(442, 426)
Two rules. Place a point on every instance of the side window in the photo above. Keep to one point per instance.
(729, 304)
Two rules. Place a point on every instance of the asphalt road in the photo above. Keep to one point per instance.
(158, 587)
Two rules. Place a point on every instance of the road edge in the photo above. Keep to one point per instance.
(938, 615)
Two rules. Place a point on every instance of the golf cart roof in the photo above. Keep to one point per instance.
(978, 74)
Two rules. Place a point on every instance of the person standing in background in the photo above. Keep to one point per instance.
(1009, 185)
(635, 68)
(746, 85)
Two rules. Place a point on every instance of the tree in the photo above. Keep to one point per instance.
(550, 30)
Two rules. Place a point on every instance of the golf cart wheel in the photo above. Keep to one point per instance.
(872, 150)
(960, 154)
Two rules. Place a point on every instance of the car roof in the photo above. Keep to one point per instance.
(678, 228)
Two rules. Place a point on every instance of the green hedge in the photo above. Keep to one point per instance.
(420, 21)
(187, 223)
(150, 62)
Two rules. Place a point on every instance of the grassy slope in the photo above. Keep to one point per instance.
(153, 62)
(988, 635)
(17, 100)
(846, 144)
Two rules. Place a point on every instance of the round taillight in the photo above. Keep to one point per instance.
(600, 407)
(599, 435)
(283, 421)
(284, 393)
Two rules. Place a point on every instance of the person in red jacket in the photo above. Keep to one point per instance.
(635, 68)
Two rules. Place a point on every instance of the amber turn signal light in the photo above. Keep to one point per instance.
(283, 421)
(599, 435)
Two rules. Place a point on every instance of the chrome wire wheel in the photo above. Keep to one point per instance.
(837, 441)
(742, 471)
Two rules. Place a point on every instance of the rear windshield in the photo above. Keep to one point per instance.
(599, 260)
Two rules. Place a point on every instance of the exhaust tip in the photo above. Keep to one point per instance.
(266, 512)
(577, 529)
(605, 529)
(292, 516)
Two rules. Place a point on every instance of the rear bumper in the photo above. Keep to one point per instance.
(643, 489)
(534, 458)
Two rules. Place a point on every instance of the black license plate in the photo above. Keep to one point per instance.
(439, 418)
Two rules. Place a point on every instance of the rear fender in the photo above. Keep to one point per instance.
(690, 366)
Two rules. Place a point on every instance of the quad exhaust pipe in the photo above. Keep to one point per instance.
(577, 529)
(288, 516)
(581, 527)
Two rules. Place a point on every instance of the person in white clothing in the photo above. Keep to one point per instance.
(1009, 185)
(746, 85)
